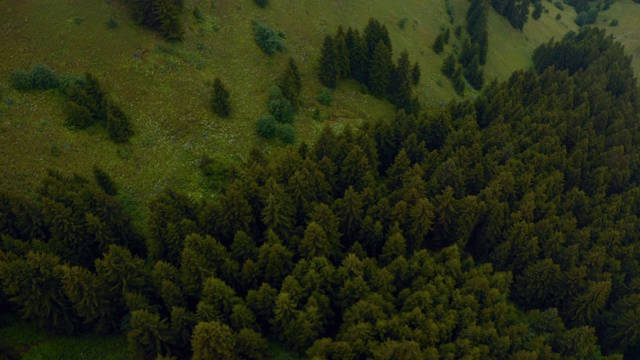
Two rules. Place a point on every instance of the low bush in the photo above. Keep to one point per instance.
(266, 126)
(269, 40)
(287, 134)
(40, 77)
(325, 97)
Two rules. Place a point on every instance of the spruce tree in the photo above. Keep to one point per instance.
(220, 100)
(290, 83)
(328, 72)
(415, 74)
(380, 70)
(357, 55)
(118, 124)
(342, 54)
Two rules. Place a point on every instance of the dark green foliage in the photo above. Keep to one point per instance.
(280, 107)
(160, 15)
(290, 83)
(415, 74)
(477, 29)
(516, 11)
(286, 133)
(614, 22)
(363, 244)
(88, 105)
(581, 19)
(342, 54)
(449, 66)
(458, 81)
(328, 70)
(438, 45)
(592, 16)
(266, 126)
(537, 11)
(325, 98)
(118, 124)
(380, 69)
(220, 99)
(40, 77)
(269, 40)
(261, 3)
(105, 181)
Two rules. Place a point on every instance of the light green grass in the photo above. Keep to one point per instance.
(628, 30)
(165, 91)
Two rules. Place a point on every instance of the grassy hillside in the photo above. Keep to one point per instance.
(163, 86)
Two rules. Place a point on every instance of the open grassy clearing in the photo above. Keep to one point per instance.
(628, 29)
(163, 88)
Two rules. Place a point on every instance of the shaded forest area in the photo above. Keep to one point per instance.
(499, 228)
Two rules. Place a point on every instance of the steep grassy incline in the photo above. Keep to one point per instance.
(163, 87)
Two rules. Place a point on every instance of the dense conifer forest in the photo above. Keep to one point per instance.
(503, 227)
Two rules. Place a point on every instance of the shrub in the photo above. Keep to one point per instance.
(266, 126)
(558, 17)
(402, 22)
(614, 22)
(21, 80)
(43, 77)
(558, 5)
(592, 16)
(581, 19)
(261, 3)
(40, 77)
(325, 97)
(287, 134)
(282, 110)
(269, 40)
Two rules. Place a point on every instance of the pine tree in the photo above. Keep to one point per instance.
(220, 99)
(118, 124)
(212, 341)
(148, 334)
(166, 14)
(342, 54)
(449, 66)
(290, 83)
(415, 74)
(380, 70)
(374, 32)
(328, 71)
(357, 55)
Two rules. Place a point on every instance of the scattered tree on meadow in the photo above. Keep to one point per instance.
(220, 99)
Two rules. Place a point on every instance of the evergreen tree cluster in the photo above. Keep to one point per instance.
(282, 104)
(39, 77)
(163, 16)
(503, 227)
(88, 105)
(368, 59)
(516, 11)
(268, 39)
